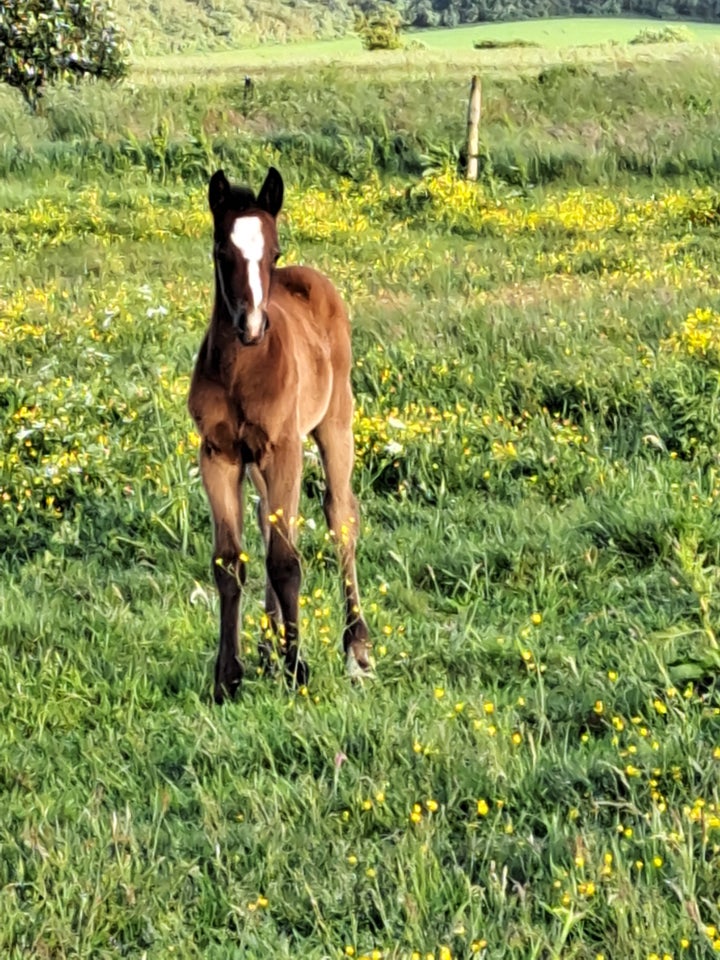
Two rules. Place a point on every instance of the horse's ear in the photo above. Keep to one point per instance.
(218, 190)
(270, 197)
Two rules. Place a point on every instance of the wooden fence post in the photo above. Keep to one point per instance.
(473, 125)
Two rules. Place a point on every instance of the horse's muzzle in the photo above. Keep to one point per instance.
(248, 337)
(249, 341)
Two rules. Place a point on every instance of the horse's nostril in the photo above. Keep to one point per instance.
(250, 340)
(239, 320)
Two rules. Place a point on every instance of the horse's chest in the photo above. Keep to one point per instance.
(255, 444)
(264, 419)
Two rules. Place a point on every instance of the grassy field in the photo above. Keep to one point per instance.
(554, 37)
(606, 118)
(534, 772)
(566, 32)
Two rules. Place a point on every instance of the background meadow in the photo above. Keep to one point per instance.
(534, 773)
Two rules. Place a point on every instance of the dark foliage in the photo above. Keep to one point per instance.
(438, 13)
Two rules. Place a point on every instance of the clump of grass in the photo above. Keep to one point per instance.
(666, 34)
(503, 44)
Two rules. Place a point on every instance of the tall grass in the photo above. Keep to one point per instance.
(562, 123)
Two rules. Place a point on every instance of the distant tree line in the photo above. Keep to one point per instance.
(449, 13)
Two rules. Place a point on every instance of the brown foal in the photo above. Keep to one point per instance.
(273, 368)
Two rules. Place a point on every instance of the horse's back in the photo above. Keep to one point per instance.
(309, 285)
(305, 292)
(318, 327)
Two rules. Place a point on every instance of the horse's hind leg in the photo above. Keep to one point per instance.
(334, 438)
(222, 478)
(282, 479)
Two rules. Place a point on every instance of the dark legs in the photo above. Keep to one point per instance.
(278, 484)
(222, 477)
(270, 628)
(279, 489)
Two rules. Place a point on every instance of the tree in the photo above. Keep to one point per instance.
(42, 41)
(379, 30)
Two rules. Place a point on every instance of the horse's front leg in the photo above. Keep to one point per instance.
(270, 626)
(282, 480)
(222, 473)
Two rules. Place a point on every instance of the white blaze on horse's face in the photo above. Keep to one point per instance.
(247, 237)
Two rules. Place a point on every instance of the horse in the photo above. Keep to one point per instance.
(273, 368)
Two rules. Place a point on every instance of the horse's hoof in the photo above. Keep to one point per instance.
(228, 684)
(298, 672)
(359, 662)
(268, 657)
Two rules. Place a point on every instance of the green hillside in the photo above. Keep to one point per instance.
(174, 25)
(168, 26)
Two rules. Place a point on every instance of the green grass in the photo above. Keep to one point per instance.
(539, 558)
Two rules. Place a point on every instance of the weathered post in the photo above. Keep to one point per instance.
(473, 125)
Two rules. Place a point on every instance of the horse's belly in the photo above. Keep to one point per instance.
(313, 401)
